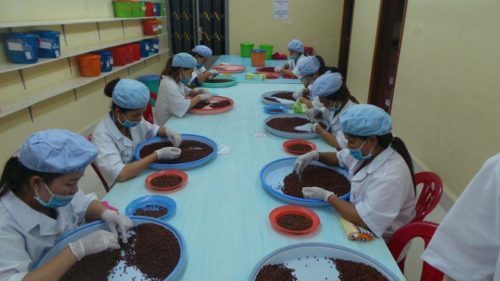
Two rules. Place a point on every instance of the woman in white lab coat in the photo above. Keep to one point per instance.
(200, 74)
(40, 200)
(296, 49)
(174, 97)
(380, 171)
(308, 70)
(123, 128)
(335, 100)
(466, 245)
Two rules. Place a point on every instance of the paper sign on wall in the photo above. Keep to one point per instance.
(280, 9)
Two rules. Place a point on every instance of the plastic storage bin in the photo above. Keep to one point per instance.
(22, 47)
(150, 9)
(89, 65)
(308, 50)
(138, 9)
(144, 48)
(49, 44)
(268, 49)
(123, 9)
(258, 57)
(150, 27)
(136, 51)
(246, 49)
(154, 45)
(120, 56)
(106, 60)
(151, 81)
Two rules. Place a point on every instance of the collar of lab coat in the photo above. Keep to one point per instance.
(375, 164)
(115, 133)
(28, 218)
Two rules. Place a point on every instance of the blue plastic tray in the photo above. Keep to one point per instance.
(288, 135)
(180, 166)
(308, 260)
(144, 201)
(272, 175)
(98, 225)
(268, 108)
(269, 94)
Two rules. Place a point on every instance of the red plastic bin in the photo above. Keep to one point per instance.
(150, 9)
(150, 27)
(136, 51)
(120, 56)
(309, 50)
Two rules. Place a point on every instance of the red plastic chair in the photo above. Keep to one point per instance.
(429, 196)
(148, 114)
(96, 170)
(422, 229)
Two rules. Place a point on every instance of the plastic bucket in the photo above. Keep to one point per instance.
(150, 9)
(122, 9)
(268, 49)
(246, 49)
(106, 60)
(136, 51)
(22, 47)
(308, 50)
(258, 57)
(154, 46)
(119, 56)
(151, 81)
(158, 9)
(138, 9)
(150, 27)
(144, 48)
(49, 44)
(89, 65)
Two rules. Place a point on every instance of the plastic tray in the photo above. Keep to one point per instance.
(180, 166)
(229, 68)
(144, 201)
(221, 85)
(268, 108)
(287, 146)
(288, 135)
(310, 261)
(179, 173)
(293, 210)
(269, 94)
(272, 175)
(208, 110)
(98, 225)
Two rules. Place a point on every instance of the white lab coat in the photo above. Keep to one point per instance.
(467, 242)
(382, 192)
(333, 120)
(115, 149)
(292, 64)
(25, 234)
(197, 72)
(172, 99)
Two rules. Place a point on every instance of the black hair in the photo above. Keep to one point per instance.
(172, 71)
(108, 91)
(196, 55)
(322, 67)
(343, 94)
(15, 175)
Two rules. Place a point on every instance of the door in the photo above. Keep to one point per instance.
(345, 37)
(386, 55)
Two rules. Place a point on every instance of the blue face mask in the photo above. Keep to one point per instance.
(199, 65)
(128, 124)
(55, 201)
(358, 155)
(334, 108)
(294, 56)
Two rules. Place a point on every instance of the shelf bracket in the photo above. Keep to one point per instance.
(31, 114)
(69, 65)
(64, 35)
(74, 94)
(22, 79)
(98, 31)
(123, 28)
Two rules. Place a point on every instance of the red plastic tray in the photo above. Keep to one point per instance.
(294, 210)
(179, 173)
(229, 68)
(287, 146)
(265, 69)
(208, 110)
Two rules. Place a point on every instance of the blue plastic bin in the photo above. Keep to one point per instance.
(22, 47)
(106, 60)
(158, 9)
(152, 81)
(49, 44)
(154, 45)
(144, 48)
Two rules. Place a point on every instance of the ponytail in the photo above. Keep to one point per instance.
(399, 146)
(108, 91)
(172, 71)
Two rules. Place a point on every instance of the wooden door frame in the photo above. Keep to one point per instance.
(345, 37)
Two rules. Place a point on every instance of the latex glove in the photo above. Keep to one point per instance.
(213, 73)
(313, 113)
(278, 69)
(315, 192)
(205, 96)
(94, 243)
(309, 127)
(284, 101)
(304, 160)
(298, 94)
(173, 137)
(168, 153)
(117, 222)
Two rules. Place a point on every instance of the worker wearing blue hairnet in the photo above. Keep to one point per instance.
(382, 195)
(40, 201)
(200, 74)
(332, 93)
(123, 128)
(296, 49)
(308, 70)
(174, 96)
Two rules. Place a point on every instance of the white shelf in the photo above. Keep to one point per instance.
(69, 21)
(41, 95)
(7, 67)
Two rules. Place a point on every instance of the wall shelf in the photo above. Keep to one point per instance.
(71, 52)
(31, 98)
(69, 21)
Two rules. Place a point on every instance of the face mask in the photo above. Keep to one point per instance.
(334, 108)
(294, 56)
(199, 65)
(128, 124)
(55, 201)
(358, 155)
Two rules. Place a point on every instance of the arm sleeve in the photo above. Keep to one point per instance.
(14, 260)
(345, 158)
(80, 204)
(150, 129)
(108, 159)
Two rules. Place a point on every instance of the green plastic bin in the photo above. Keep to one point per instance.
(138, 9)
(246, 49)
(269, 50)
(122, 9)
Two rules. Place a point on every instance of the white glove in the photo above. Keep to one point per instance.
(173, 137)
(298, 94)
(117, 222)
(94, 243)
(304, 160)
(205, 96)
(214, 72)
(315, 192)
(168, 153)
(278, 69)
(309, 127)
(313, 112)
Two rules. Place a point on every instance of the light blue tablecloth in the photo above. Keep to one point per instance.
(246, 62)
(223, 211)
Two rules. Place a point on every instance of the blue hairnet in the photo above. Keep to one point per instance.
(184, 60)
(203, 51)
(307, 66)
(365, 120)
(130, 94)
(296, 46)
(327, 84)
(57, 151)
